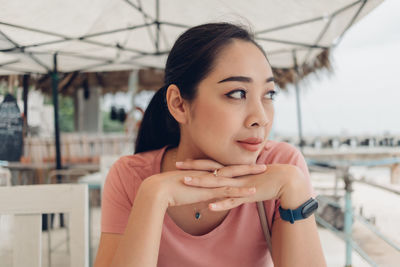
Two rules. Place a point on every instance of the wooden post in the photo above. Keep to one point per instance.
(395, 174)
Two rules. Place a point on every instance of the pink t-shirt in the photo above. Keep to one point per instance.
(237, 241)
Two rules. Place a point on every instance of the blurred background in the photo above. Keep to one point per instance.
(74, 85)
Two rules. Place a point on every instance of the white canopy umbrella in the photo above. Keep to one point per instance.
(106, 35)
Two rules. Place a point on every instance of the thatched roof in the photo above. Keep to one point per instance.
(153, 79)
(110, 82)
(285, 77)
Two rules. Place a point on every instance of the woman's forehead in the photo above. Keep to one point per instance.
(241, 58)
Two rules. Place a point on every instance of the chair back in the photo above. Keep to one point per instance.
(28, 203)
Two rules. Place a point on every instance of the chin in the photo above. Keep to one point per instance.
(239, 159)
(231, 154)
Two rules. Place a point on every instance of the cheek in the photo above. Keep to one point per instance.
(214, 119)
(270, 111)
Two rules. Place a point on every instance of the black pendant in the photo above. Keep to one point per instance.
(197, 215)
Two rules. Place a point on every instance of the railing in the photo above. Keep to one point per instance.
(77, 148)
(366, 141)
(341, 167)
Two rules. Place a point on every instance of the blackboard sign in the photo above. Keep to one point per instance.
(10, 130)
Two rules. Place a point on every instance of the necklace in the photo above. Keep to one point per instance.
(197, 212)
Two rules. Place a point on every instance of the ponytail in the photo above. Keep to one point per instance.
(158, 127)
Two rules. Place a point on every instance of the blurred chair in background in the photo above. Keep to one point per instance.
(28, 203)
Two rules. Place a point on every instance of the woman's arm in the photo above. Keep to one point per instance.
(296, 244)
(107, 247)
(139, 245)
(141, 240)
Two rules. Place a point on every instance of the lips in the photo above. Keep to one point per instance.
(251, 144)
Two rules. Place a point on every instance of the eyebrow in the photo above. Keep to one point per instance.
(243, 79)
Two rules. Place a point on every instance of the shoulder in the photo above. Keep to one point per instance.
(279, 152)
(273, 145)
(139, 160)
(140, 165)
(283, 153)
(128, 172)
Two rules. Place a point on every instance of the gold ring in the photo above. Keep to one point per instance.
(215, 172)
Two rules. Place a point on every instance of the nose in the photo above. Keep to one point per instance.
(259, 115)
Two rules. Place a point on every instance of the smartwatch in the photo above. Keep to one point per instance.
(302, 212)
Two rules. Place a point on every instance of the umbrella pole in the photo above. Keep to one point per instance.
(296, 84)
(54, 83)
(25, 84)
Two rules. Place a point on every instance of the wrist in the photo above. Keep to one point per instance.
(295, 191)
(152, 192)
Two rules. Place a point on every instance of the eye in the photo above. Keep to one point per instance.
(271, 95)
(237, 94)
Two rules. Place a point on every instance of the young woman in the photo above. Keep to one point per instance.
(188, 195)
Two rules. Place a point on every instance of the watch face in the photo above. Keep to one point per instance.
(310, 207)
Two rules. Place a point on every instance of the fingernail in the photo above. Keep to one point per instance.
(179, 163)
(213, 206)
(263, 166)
(188, 179)
(252, 190)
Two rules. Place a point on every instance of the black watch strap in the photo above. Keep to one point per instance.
(302, 212)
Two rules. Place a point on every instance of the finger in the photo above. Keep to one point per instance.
(226, 192)
(227, 204)
(210, 181)
(240, 170)
(234, 192)
(199, 164)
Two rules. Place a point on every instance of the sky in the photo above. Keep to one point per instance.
(362, 95)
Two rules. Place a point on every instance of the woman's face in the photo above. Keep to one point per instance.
(232, 114)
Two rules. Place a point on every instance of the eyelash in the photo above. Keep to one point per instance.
(272, 94)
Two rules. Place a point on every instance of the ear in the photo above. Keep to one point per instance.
(177, 106)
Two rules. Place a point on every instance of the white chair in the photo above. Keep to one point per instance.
(28, 203)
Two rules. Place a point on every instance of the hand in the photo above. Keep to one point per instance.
(170, 186)
(230, 177)
(225, 171)
(270, 182)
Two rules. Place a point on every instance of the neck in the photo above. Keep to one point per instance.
(182, 152)
(187, 150)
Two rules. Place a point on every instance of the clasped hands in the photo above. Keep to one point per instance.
(242, 183)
